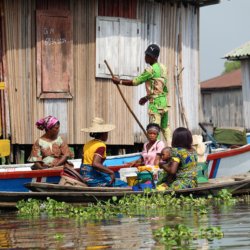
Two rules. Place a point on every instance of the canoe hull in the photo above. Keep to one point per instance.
(13, 177)
(220, 164)
(228, 163)
(77, 196)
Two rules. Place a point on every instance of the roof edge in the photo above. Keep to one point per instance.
(207, 3)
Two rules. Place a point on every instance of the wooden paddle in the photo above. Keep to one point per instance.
(131, 111)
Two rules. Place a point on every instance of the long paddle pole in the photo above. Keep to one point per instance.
(125, 101)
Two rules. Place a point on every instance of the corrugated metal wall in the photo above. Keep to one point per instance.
(95, 97)
(223, 107)
(178, 37)
(4, 108)
(245, 66)
(91, 97)
(121, 8)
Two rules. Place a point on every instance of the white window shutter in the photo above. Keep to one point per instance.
(107, 45)
(118, 40)
(130, 48)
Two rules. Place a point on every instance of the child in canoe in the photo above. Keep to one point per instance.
(183, 162)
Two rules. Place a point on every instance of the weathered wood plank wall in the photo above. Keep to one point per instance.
(245, 65)
(92, 96)
(223, 107)
(175, 22)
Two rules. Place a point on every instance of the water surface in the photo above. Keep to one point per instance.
(123, 232)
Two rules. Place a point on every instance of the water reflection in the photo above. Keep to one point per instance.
(123, 233)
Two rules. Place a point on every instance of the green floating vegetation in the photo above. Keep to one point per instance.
(128, 205)
(180, 235)
(134, 205)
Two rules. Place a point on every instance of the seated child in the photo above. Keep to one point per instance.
(184, 162)
(165, 164)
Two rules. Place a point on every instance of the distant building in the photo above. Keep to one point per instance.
(242, 54)
(222, 100)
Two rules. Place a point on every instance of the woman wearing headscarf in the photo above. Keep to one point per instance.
(94, 154)
(50, 150)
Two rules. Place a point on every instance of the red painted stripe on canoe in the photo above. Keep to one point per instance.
(212, 169)
(29, 174)
(43, 173)
(228, 153)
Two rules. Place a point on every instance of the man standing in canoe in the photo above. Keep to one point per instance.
(155, 78)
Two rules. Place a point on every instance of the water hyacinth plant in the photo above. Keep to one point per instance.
(128, 205)
(146, 204)
(181, 235)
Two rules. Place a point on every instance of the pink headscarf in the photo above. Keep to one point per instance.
(46, 123)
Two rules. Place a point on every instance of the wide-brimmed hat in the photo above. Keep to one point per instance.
(98, 126)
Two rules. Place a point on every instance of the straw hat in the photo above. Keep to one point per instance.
(98, 126)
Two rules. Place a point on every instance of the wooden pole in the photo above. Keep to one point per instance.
(125, 101)
(180, 99)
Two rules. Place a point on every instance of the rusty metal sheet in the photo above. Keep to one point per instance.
(54, 53)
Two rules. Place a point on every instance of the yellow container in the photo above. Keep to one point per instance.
(145, 168)
(131, 180)
(4, 148)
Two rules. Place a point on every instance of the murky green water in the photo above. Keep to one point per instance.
(123, 233)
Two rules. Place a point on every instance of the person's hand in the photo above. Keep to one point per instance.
(143, 100)
(116, 80)
(112, 176)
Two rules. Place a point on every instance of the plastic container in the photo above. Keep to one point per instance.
(145, 168)
(202, 172)
(124, 172)
(131, 179)
(142, 186)
(145, 176)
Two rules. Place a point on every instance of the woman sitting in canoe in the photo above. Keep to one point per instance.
(50, 150)
(183, 163)
(94, 154)
(150, 155)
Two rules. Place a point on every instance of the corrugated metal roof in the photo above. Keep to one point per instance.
(199, 3)
(207, 2)
(243, 52)
(229, 80)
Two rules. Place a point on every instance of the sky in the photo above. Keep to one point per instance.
(223, 27)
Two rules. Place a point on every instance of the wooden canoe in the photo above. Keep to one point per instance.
(13, 177)
(81, 195)
(203, 189)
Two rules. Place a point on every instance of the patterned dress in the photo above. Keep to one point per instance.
(49, 152)
(186, 175)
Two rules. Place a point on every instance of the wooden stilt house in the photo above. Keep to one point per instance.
(52, 54)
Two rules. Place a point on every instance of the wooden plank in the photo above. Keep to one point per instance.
(8, 205)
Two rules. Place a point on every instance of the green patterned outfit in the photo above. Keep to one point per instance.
(155, 78)
(186, 175)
